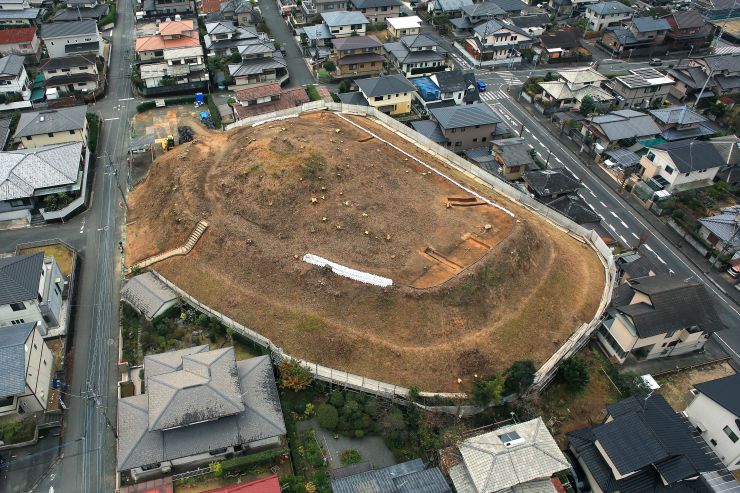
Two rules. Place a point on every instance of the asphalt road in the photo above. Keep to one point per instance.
(618, 217)
(87, 455)
(299, 73)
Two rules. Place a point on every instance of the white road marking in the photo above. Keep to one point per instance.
(633, 234)
(589, 191)
(602, 204)
(661, 260)
(623, 240)
(648, 247)
(624, 224)
(610, 227)
(613, 214)
(109, 119)
(82, 227)
(125, 99)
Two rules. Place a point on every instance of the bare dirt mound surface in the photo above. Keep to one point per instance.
(474, 289)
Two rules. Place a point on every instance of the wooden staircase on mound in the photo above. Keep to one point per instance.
(183, 250)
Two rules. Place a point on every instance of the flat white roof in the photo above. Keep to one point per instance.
(404, 22)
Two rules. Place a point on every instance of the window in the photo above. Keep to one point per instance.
(71, 132)
(669, 170)
(483, 139)
(731, 434)
(687, 174)
(35, 347)
(16, 307)
(16, 322)
(454, 130)
(44, 362)
(50, 134)
(81, 68)
(378, 98)
(29, 138)
(65, 70)
(713, 442)
(52, 71)
(458, 143)
(477, 126)
(475, 139)
(462, 129)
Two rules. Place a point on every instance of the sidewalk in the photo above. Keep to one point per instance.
(670, 236)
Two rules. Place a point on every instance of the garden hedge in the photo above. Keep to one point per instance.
(244, 462)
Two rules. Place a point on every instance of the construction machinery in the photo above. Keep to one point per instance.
(167, 143)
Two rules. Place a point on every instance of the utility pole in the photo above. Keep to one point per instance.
(118, 182)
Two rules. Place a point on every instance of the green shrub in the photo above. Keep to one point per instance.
(93, 125)
(336, 399)
(215, 115)
(574, 373)
(313, 93)
(350, 456)
(327, 416)
(109, 17)
(519, 377)
(246, 462)
(329, 66)
(486, 391)
(217, 468)
(293, 484)
(145, 106)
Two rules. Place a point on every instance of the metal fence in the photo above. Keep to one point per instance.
(574, 343)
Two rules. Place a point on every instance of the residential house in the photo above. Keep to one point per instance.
(316, 40)
(409, 25)
(407, 477)
(561, 8)
(81, 9)
(21, 41)
(450, 8)
(619, 128)
(722, 70)
(681, 122)
(688, 164)
(688, 28)
(343, 24)
(472, 15)
(446, 89)
(261, 64)
(155, 8)
(607, 14)
(722, 230)
(224, 39)
(13, 77)
(533, 24)
(416, 55)
(641, 38)
(30, 175)
(199, 407)
(463, 127)
(377, 11)
(715, 413)
(170, 35)
(549, 184)
(27, 364)
(314, 7)
(518, 457)
(657, 316)
(46, 127)
(19, 13)
(357, 56)
(390, 94)
(642, 88)
(267, 98)
(173, 58)
(33, 288)
(716, 9)
(559, 46)
(576, 209)
(644, 445)
(632, 266)
(513, 157)
(72, 38)
(572, 86)
(71, 73)
(496, 43)
(149, 295)
(512, 8)
(239, 12)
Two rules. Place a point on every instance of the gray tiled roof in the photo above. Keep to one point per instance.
(724, 391)
(11, 65)
(24, 170)
(492, 26)
(19, 277)
(13, 358)
(574, 208)
(465, 115)
(258, 65)
(532, 20)
(625, 124)
(485, 9)
(51, 121)
(344, 18)
(724, 225)
(407, 477)
(726, 61)
(372, 4)
(353, 97)
(650, 24)
(29, 14)
(550, 182)
(68, 29)
(513, 151)
(452, 5)
(147, 293)
(387, 84)
(677, 115)
(605, 8)
(355, 42)
(693, 155)
(260, 418)
(510, 5)
(67, 62)
(75, 14)
(429, 129)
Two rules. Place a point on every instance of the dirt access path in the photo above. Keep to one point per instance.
(474, 289)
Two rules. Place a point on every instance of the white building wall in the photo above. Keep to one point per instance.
(712, 418)
(30, 313)
(20, 84)
(55, 46)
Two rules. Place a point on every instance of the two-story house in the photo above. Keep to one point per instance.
(657, 316)
(267, 98)
(641, 37)
(33, 292)
(260, 64)
(55, 126)
(687, 164)
(513, 157)
(472, 15)
(715, 413)
(344, 24)
(377, 11)
(81, 9)
(21, 41)
(72, 38)
(572, 85)
(390, 94)
(200, 406)
(462, 127)
(447, 88)
(722, 230)
(70, 73)
(688, 28)
(450, 8)
(560, 45)
(644, 445)
(170, 35)
(154, 8)
(681, 122)
(403, 26)
(357, 56)
(642, 88)
(607, 14)
(239, 12)
(19, 13)
(416, 55)
(26, 363)
(620, 128)
(549, 184)
(180, 67)
(496, 43)
(13, 77)
(533, 24)
(223, 38)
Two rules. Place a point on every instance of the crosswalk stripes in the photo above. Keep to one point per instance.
(509, 77)
(492, 96)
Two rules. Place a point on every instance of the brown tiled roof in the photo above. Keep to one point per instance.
(18, 35)
(258, 92)
(289, 98)
(210, 6)
(151, 43)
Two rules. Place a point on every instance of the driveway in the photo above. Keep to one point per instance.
(299, 73)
